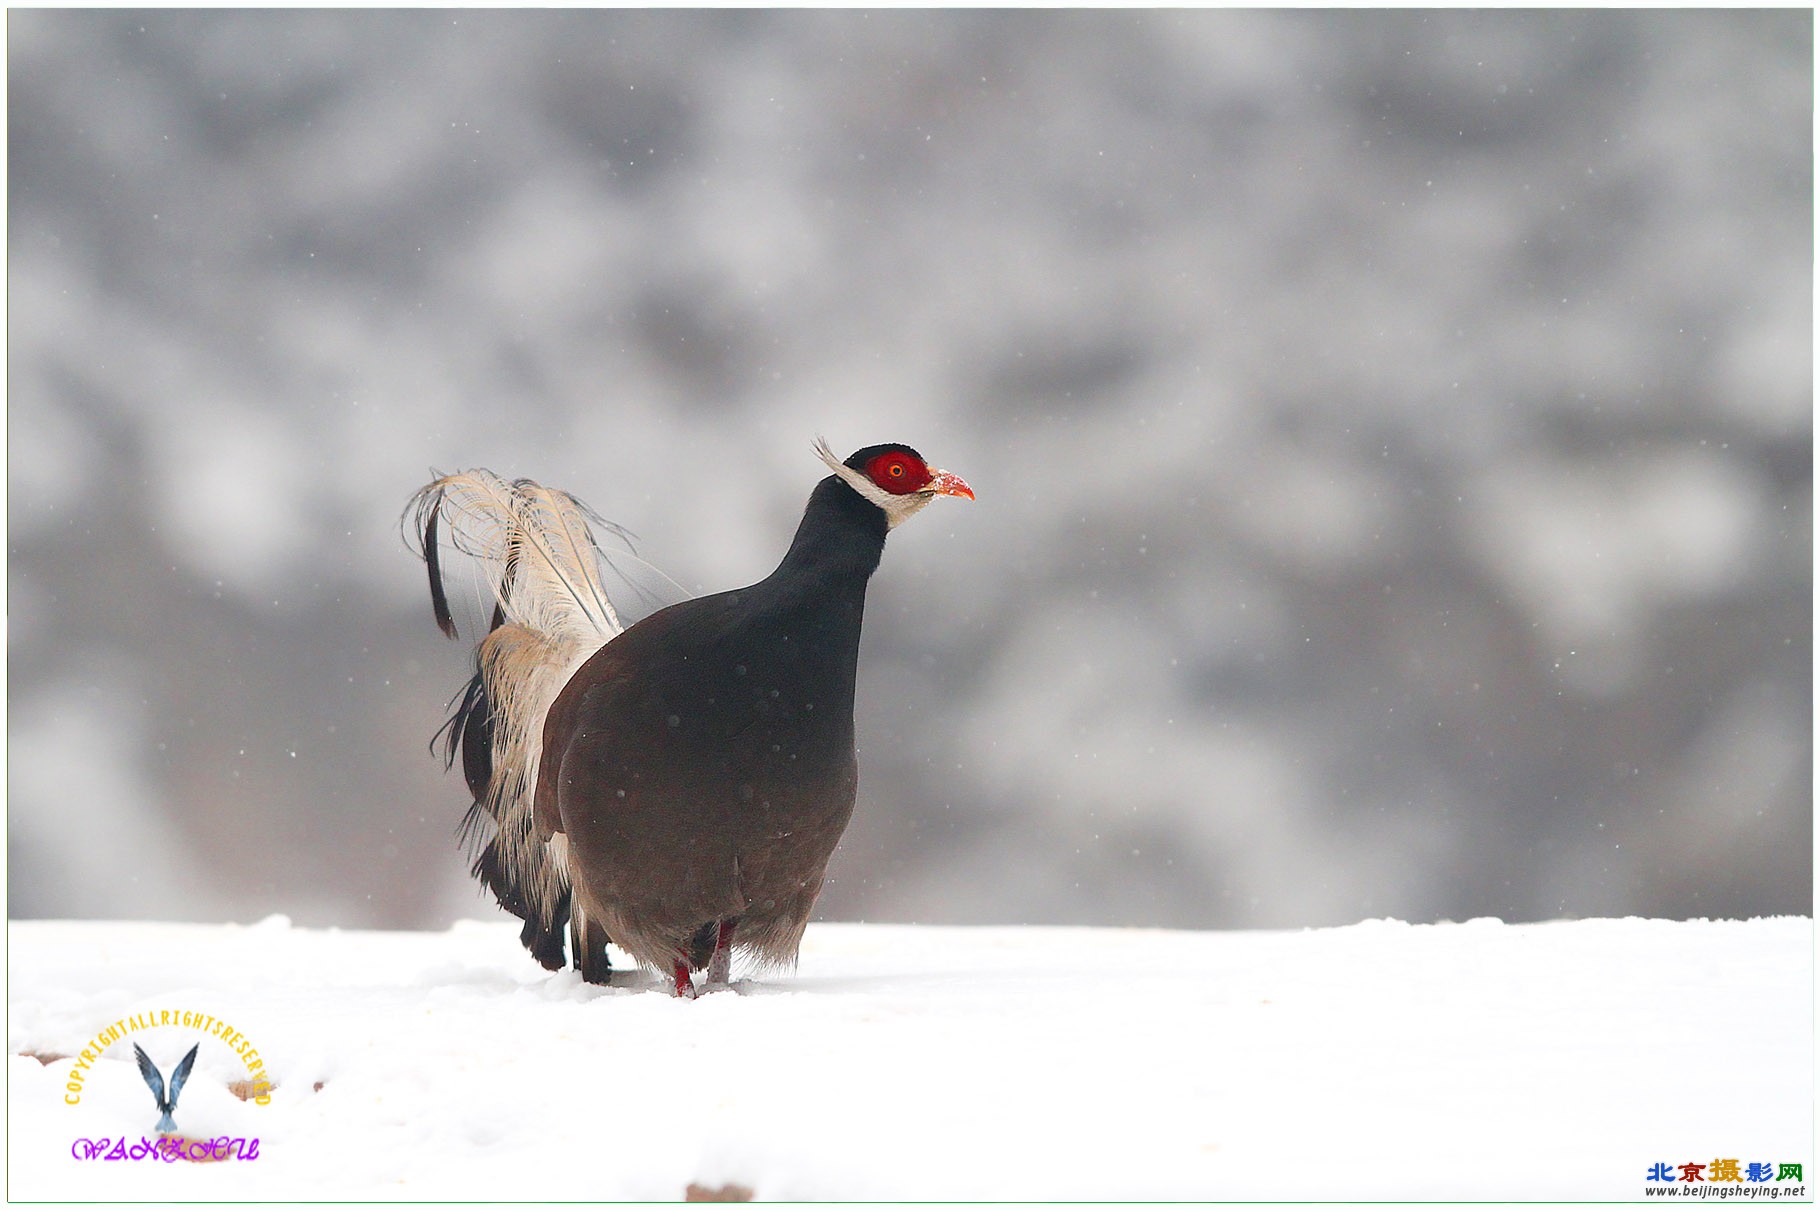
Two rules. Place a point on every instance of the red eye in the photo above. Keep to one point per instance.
(899, 474)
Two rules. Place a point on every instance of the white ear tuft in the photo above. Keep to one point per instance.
(856, 480)
(827, 455)
(897, 509)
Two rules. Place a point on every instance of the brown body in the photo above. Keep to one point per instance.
(701, 765)
(681, 790)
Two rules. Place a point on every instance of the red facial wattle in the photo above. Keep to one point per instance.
(901, 474)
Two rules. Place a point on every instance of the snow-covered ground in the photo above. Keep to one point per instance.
(1383, 1060)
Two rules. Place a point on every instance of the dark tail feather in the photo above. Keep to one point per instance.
(545, 944)
(545, 941)
(439, 600)
(468, 732)
(550, 611)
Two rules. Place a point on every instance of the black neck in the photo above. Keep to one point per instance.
(841, 539)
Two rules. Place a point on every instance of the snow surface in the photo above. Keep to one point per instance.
(1382, 1060)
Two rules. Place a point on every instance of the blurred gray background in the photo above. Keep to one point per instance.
(1392, 435)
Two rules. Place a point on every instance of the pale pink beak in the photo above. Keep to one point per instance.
(947, 483)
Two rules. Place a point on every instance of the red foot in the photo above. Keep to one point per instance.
(684, 988)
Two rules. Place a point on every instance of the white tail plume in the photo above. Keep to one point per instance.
(551, 612)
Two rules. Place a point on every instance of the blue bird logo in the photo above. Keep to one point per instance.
(166, 1102)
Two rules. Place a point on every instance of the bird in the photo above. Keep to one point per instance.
(677, 786)
(167, 1103)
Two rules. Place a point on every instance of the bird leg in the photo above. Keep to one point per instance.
(720, 966)
(589, 941)
(684, 989)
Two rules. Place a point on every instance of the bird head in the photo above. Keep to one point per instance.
(894, 477)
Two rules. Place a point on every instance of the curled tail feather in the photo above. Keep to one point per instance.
(551, 611)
